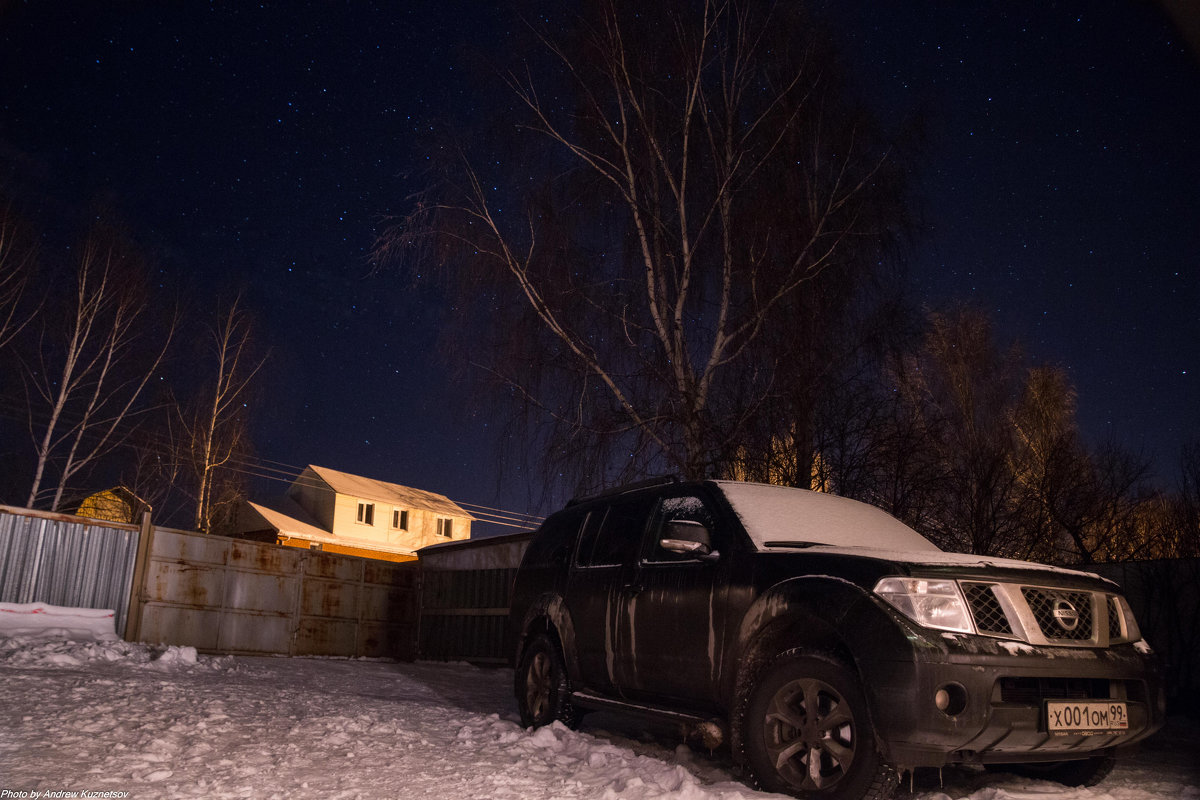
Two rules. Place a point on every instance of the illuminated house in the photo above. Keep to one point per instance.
(114, 505)
(342, 513)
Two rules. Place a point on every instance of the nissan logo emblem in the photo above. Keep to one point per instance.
(1066, 614)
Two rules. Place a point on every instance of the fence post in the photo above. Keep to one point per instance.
(137, 592)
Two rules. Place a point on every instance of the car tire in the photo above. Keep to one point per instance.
(1085, 772)
(808, 733)
(541, 685)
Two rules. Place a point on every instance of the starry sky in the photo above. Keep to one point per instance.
(1060, 190)
(256, 146)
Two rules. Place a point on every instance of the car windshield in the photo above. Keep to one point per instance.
(781, 517)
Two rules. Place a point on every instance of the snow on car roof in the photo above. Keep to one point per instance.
(785, 514)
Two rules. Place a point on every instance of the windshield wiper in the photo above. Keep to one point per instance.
(794, 545)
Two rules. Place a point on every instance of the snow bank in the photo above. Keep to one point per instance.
(42, 620)
(43, 635)
(48, 653)
(157, 722)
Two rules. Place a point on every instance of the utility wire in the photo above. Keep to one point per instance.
(262, 469)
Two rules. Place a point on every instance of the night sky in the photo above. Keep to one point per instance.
(256, 146)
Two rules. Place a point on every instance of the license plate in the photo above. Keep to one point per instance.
(1086, 717)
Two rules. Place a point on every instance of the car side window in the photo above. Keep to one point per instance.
(611, 538)
(587, 538)
(555, 542)
(688, 508)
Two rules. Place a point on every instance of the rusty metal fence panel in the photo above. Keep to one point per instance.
(66, 560)
(224, 595)
(235, 596)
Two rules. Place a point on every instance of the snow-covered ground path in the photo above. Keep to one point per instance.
(152, 723)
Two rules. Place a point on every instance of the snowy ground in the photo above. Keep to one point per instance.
(143, 722)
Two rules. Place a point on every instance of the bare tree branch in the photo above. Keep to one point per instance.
(668, 220)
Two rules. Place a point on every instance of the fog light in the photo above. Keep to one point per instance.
(950, 699)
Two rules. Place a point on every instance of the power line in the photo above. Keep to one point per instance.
(252, 467)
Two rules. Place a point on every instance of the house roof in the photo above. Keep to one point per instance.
(384, 492)
(286, 516)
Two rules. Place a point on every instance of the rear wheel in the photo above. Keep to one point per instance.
(808, 733)
(1086, 772)
(541, 685)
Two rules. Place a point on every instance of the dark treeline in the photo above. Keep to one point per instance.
(979, 449)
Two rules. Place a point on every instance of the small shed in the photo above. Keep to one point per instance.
(466, 590)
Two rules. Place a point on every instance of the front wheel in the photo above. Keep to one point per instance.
(808, 733)
(541, 685)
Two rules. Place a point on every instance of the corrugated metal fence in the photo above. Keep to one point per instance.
(464, 614)
(466, 589)
(66, 561)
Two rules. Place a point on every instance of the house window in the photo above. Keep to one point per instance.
(444, 527)
(366, 513)
(400, 519)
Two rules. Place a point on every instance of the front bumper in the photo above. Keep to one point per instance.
(997, 691)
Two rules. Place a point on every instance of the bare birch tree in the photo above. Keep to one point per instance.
(17, 259)
(960, 389)
(91, 368)
(213, 427)
(690, 174)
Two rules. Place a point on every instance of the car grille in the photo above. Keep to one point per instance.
(1031, 691)
(1061, 615)
(1114, 619)
(985, 606)
(1045, 615)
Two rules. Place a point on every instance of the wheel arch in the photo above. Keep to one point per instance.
(548, 615)
(800, 616)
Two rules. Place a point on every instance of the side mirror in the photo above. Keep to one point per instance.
(687, 538)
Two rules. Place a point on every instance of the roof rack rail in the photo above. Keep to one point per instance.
(662, 480)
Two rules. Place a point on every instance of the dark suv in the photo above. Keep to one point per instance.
(830, 645)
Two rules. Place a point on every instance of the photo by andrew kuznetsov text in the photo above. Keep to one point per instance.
(35, 794)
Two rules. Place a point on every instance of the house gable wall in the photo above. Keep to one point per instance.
(314, 495)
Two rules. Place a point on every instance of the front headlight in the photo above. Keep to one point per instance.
(930, 603)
